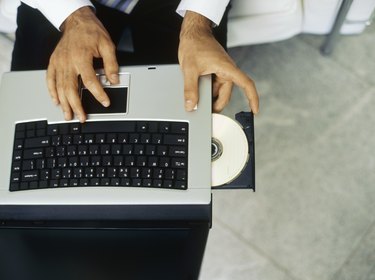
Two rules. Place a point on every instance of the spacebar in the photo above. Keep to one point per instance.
(107, 127)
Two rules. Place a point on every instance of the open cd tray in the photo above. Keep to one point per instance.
(246, 178)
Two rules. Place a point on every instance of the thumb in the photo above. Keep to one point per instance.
(191, 90)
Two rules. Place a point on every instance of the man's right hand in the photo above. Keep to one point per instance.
(84, 37)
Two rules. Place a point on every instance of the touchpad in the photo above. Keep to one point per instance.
(117, 95)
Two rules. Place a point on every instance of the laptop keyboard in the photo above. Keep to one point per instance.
(145, 154)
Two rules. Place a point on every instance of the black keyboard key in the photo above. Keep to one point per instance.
(66, 173)
(105, 182)
(44, 174)
(15, 177)
(139, 149)
(115, 182)
(181, 175)
(43, 184)
(179, 127)
(157, 183)
(82, 150)
(180, 185)
(53, 129)
(84, 182)
(141, 161)
(142, 126)
(135, 172)
(123, 172)
(24, 186)
(118, 160)
(95, 161)
(51, 163)
(60, 151)
(17, 155)
(167, 184)
(94, 150)
(150, 150)
(94, 182)
(77, 139)
(14, 187)
(71, 151)
(129, 161)
(101, 172)
(30, 126)
(73, 182)
(89, 139)
(56, 140)
(85, 161)
(178, 163)
(33, 153)
(145, 138)
(164, 162)
(62, 162)
(28, 165)
(30, 133)
(169, 174)
(111, 138)
(89, 172)
(21, 127)
(67, 140)
(50, 152)
(108, 127)
(64, 128)
(37, 142)
(28, 176)
(116, 149)
(164, 127)
(16, 166)
(105, 149)
(162, 150)
(41, 163)
(137, 182)
(18, 144)
(78, 173)
(146, 173)
(177, 151)
(127, 149)
(64, 183)
(122, 138)
(107, 161)
(75, 128)
(56, 174)
(175, 139)
(100, 138)
(20, 134)
(125, 182)
(134, 138)
(112, 172)
(146, 183)
(157, 139)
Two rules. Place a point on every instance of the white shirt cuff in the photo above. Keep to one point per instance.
(56, 11)
(211, 9)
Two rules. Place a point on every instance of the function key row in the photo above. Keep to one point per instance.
(41, 128)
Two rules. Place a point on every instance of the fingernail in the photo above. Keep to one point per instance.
(114, 78)
(105, 103)
(55, 101)
(189, 106)
(66, 116)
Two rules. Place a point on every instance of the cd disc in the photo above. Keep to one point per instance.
(229, 150)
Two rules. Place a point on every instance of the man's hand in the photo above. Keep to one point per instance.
(199, 54)
(84, 37)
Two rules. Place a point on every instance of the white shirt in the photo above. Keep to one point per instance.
(57, 11)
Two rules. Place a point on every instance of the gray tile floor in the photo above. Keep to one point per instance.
(312, 214)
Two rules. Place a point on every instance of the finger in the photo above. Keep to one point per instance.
(51, 84)
(190, 90)
(61, 95)
(223, 96)
(91, 82)
(72, 96)
(108, 53)
(248, 86)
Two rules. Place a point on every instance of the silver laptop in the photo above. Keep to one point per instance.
(144, 150)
